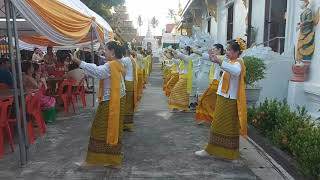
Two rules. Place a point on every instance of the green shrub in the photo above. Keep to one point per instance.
(255, 69)
(292, 131)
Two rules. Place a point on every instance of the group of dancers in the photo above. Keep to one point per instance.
(122, 77)
(222, 103)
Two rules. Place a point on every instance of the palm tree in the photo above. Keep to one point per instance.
(140, 22)
(154, 22)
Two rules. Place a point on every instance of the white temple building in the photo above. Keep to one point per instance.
(149, 42)
(274, 34)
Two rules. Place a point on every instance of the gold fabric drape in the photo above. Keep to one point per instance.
(64, 19)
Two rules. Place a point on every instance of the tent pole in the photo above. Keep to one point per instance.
(92, 60)
(22, 147)
(22, 99)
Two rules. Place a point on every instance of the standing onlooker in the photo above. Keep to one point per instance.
(50, 58)
(37, 55)
(5, 74)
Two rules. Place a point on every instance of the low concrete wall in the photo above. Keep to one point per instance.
(278, 73)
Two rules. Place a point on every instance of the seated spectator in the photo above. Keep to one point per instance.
(5, 74)
(75, 73)
(31, 83)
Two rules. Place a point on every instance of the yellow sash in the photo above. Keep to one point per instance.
(135, 82)
(226, 80)
(181, 65)
(242, 102)
(113, 126)
(211, 75)
(174, 68)
(190, 72)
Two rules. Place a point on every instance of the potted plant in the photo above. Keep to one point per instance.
(255, 71)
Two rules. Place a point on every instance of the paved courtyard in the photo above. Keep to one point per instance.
(161, 147)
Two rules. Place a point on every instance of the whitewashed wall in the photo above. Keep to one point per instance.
(239, 19)
(204, 22)
(307, 93)
(315, 65)
(312, 87)
(278, 73)
(222, 22)
(258, 16)
(214, 28)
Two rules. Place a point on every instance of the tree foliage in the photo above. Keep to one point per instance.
(172, 15)
(103, 7)
(154, 22)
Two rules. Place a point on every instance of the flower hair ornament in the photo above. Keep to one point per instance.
(241, 43)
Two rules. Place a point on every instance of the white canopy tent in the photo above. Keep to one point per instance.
(20, 18)
(30, 24)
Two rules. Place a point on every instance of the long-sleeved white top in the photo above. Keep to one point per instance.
(126, 61)
(234, 70)
(103, 72)
(217, 71)
(185, 59)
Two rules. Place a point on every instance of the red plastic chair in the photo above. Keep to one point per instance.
(5, 106)
(33, 109)
(65, 93)
(80, 91)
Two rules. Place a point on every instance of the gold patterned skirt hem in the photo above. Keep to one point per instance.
(224, 132)
(179, 97)
(99, 152)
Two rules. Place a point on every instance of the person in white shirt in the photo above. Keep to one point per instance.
(75, 73)
(230, 117)
(37, 55)
(105, 143)
(129, 81)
